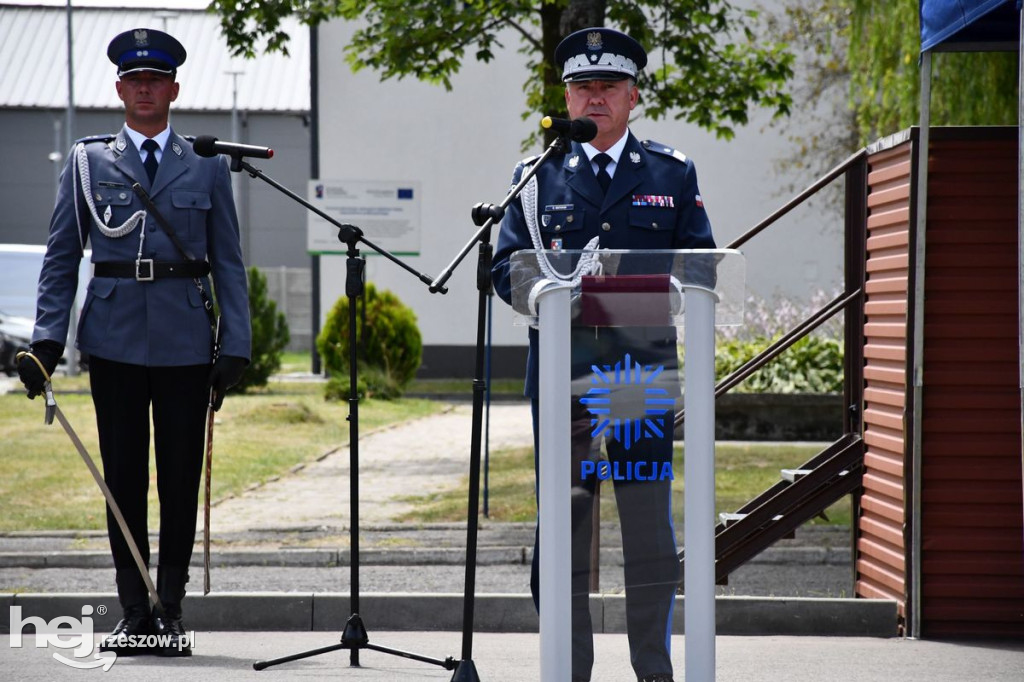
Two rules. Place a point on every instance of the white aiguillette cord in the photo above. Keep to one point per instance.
(589, 263)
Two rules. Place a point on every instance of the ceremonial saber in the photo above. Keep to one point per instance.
(214, 354)
(206, 496)
(52, 409)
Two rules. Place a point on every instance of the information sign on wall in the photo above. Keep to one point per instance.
(387, 211)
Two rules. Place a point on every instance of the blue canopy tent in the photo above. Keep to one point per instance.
(952, 26)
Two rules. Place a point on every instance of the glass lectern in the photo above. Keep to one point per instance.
(611, 375)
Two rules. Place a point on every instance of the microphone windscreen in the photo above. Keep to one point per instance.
(204, 145)
(583, 129)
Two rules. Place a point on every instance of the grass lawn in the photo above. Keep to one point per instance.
(741, 472)
(46, 486)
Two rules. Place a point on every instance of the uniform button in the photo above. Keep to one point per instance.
(568, 219)
(654, 226)
(558, 228)
(123, 195)
(606, 226)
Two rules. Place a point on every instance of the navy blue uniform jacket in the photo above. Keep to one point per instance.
(573, 209)
(160, 323)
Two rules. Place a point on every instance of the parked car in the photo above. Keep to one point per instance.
(20, 265)
(15, 335)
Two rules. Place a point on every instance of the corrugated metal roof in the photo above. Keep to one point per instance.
(33, 55)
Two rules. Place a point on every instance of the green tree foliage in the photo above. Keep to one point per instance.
(707, 65)
(968, 88)
(269, 335)
(871, 51)
(389, 350)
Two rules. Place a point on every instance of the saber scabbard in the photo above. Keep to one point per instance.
(53, 410)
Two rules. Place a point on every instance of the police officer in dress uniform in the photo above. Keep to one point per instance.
(143, 323)
(630, 195)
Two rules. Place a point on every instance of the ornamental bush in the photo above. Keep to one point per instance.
(814, 364)
(269, 335)
(811, 365)
(389, 349)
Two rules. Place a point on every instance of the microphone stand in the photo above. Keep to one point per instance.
(354, 637)
(484, 216)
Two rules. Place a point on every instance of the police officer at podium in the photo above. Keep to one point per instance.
(144, 322)
(629, 194)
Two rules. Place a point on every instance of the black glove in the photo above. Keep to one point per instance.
(47, 352)
(225, 373)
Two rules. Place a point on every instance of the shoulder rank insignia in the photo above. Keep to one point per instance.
(659, 148)
(95, 138)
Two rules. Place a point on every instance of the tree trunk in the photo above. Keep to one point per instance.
(582, 14)
(556, 23)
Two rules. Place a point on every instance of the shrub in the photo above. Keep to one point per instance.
(814, 364)
(811, 365)
(390, 346)
(269, 335)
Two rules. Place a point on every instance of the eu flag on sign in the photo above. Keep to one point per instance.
(405, 193)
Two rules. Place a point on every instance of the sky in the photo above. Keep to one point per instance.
(163, 4)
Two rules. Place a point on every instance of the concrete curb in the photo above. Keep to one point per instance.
(327, 557)
(295, 611)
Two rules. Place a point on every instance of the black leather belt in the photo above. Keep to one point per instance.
(147, 269)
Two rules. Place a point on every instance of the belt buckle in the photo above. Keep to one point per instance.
(139, 277)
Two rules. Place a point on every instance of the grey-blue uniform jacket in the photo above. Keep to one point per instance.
(653, 202)
(161, 323)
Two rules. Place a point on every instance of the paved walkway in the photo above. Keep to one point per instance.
(423, 456)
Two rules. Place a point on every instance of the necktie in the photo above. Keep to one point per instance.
(602, 160)
(150, 163)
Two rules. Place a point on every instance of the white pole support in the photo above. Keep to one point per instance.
(699, 478)
(554, 483)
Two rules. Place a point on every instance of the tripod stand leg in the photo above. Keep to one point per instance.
(262, 665)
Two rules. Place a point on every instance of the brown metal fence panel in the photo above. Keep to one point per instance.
(972, 540)
(881, 565)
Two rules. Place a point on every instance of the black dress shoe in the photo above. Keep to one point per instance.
(171, 638)
(130, 636)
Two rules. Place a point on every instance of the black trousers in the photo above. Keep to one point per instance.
(123, 395)
(650, 562)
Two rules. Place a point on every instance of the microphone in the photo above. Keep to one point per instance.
(208, 145)
(578, 130)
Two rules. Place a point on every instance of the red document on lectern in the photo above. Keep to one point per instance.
(625, 301)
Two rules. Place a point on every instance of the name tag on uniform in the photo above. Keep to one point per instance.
(558, 207)
(104, 183)
(653, 200)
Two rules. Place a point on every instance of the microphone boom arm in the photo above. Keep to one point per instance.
(346, 233)
(555, 147)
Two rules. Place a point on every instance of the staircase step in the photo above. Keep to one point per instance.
(794, 475)
(728, 518)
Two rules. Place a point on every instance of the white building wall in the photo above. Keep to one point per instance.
(462, 145)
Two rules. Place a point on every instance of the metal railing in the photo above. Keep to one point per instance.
(836, 471)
